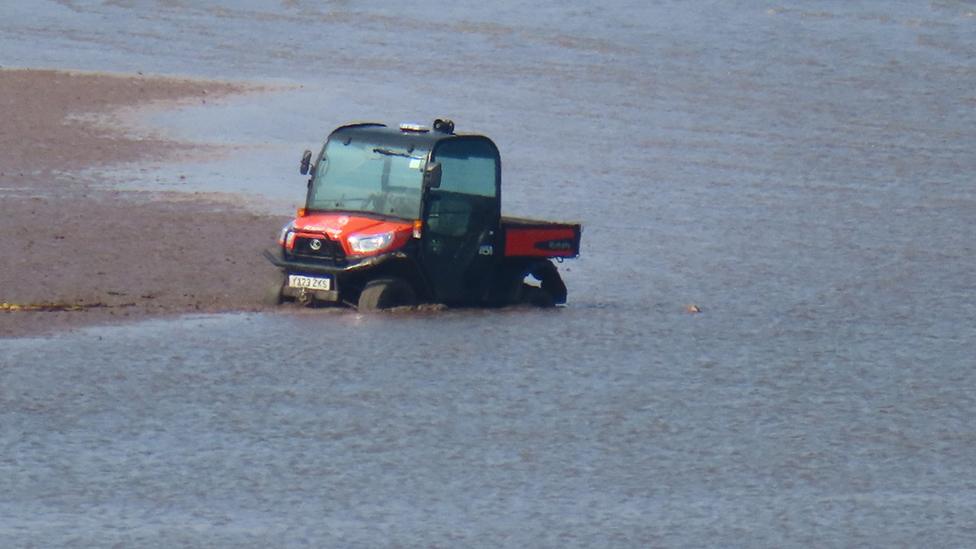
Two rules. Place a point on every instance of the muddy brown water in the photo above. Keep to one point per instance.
(802, 173)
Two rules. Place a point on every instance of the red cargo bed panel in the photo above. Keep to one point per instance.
(542, 239)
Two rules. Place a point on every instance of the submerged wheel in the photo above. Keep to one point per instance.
(537, 284)
(272, 295)
(536, 296)
(386, 293)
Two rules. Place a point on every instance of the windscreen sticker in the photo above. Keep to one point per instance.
(414, 163)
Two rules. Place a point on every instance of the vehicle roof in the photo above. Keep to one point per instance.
(395, 136)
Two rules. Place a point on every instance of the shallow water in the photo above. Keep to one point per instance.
(801, 173)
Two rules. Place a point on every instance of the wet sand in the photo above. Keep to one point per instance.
(111, 255)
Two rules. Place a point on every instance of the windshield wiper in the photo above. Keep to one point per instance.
(390, 152)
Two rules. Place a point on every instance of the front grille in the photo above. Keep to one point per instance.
(329, 249)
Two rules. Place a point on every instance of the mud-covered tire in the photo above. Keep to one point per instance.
(386, 293)
(272, 295)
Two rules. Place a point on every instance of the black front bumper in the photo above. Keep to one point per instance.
(341, 273)
(277, 258)
(348, 276)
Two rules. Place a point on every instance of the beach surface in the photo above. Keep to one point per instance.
(78, 252)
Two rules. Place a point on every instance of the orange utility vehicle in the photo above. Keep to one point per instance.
(397, 216)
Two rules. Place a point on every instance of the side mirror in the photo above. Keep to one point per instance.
(432, 175)
(306, 161)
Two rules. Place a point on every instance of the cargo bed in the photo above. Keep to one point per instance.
(535, 238)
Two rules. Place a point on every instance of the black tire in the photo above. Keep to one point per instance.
(272, 296)
(549, 291)
(386, 293)
(536, 297)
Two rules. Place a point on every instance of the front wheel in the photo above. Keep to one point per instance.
(386, 293)
(272, 295)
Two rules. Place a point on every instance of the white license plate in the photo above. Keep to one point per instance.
(309, 282)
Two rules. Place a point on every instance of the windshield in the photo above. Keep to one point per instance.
(368, 177)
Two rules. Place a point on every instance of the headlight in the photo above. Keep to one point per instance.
(284, 232)
(366, 243)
